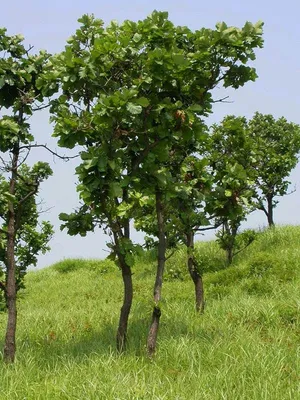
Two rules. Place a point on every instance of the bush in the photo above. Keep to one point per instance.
(227, 277)
(209, 258)
(70, 265)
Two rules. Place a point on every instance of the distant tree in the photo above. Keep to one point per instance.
(20, 238)
(232, 197)
(276, 147)
(133, 94)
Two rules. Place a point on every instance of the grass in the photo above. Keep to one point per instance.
(245, 346)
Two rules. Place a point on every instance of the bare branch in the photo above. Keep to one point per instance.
(222, 100)
(66, 158)
(25, 158)
(29, 194)
(42, 107)
(170, 255)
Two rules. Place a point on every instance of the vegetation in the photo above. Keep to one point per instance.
(245, 346)
(21, 240)
(131, 98)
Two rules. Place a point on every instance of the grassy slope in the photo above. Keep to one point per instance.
(246, 346)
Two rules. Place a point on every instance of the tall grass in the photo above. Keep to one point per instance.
(245, 346)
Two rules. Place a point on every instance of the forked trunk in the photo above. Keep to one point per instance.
(153, 331)
(11, 287)
(194, 273)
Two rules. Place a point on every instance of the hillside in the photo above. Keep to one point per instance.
(245, 346)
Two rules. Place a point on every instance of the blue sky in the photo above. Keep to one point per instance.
(48, 25)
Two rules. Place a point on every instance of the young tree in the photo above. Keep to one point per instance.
(276, 144)
(231, 157)
(184, 216)
(20, 239)
(132, 94)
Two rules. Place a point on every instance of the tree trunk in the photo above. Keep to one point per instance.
(231, 231)
(229, 254)
(121, 338)
(125, 310)
(270, 215)
(11, 287)
(194, 273)
(153, 331)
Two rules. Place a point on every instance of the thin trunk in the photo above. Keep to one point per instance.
(125, 310)
(127, 299)
(11, 287)
(194, 273)
(153, 331)
(231, 232)
(229, 254)
(127, 222)
(270, 211)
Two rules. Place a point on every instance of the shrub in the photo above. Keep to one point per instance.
(70, 265)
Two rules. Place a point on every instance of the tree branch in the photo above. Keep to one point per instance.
(170, 255)
(41, 107)
(66, 158)
(222, 100)
(29, 194)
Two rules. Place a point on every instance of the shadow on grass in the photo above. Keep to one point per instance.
(84, 344)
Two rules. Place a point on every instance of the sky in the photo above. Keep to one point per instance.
(47, 25)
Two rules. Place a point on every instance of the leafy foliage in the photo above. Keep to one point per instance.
(22, 238)
(276, 145)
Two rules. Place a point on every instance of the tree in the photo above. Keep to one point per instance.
(184, 216)
(133, 94)
(20, 239)
(276, 144)
(232, 199)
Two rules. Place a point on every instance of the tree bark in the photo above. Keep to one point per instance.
(121, 338)
(153, 331)
(194, 273)
(270, 212)
(11, 287)
(126, 307)
(231, 232)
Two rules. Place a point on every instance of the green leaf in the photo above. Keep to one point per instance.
(9, 196)
(129, 259)
(228, 193)
(134, 109)
(64, 217)
(116, 189)
(196, 108)
(137, 37)
(180, 59)
(142, 101)
(2, 82)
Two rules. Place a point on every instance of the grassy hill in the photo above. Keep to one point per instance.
(245, 346)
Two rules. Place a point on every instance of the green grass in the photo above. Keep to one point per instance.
(245, 346)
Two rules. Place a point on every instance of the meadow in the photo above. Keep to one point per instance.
(245, 346)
